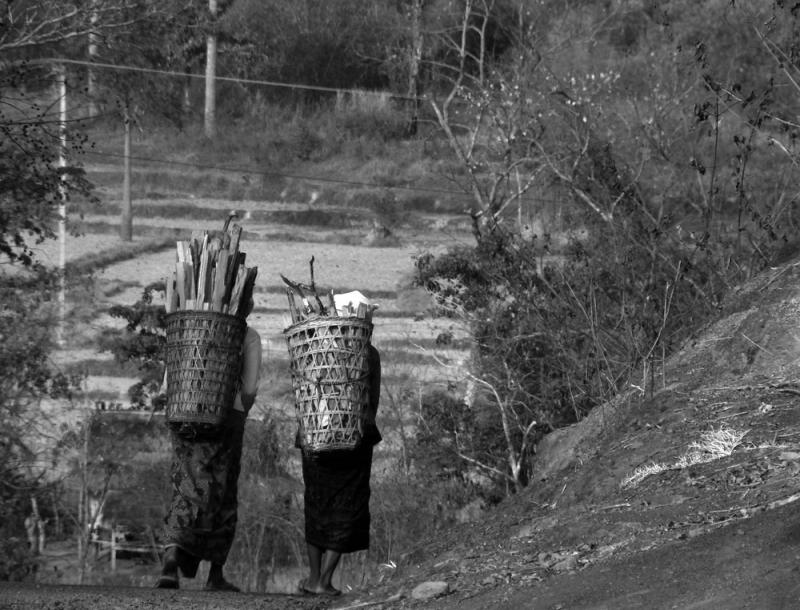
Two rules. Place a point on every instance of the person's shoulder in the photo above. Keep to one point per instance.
(252, 335)
(374, 354)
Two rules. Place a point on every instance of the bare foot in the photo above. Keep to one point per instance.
(304, 588)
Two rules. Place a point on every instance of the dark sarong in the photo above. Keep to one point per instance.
(336, 499)
(203, 512)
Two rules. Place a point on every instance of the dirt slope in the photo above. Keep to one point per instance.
(720, 533)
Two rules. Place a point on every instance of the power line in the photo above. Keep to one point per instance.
(250, 170)
(120, 67)
(259, 172)
(231, 79)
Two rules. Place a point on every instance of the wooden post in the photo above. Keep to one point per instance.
(113, 548)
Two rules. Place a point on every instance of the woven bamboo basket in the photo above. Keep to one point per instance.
(204, 361)
(330, 368)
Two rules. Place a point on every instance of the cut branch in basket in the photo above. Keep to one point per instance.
(307, 309)
(352, 304)
(314, 288)
(210, 274)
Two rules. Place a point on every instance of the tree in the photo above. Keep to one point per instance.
(118, 465)
(570, 303)
(43, 25)
(32, 184)
(26, 378)
(142, 341)
(152, 41)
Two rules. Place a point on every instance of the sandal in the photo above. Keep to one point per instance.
(167, 582)
(222, 585)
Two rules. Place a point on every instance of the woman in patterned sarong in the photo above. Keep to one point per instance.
(201, 521)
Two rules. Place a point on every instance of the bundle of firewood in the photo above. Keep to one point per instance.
(305, 302)
(210, 274)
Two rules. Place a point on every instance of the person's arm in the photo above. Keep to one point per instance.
(251, 369)
(374, 382)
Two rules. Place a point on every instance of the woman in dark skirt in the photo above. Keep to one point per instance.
(336, 499)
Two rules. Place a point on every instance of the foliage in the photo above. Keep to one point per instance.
(40, 25)
(657, 217)
(269, 529)
(141, 341)
(32, 184)
(26, 377)
(344, 44)
(125, 459)
(168, 38)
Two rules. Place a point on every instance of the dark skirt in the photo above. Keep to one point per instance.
(203, 512)
(336, 499)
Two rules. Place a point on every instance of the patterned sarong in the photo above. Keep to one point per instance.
(203, 512)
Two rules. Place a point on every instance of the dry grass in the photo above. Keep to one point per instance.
(713, 445)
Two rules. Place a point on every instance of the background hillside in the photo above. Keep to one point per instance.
(573, 216)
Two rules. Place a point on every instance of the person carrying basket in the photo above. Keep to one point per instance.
(201, 521)
(337, 488)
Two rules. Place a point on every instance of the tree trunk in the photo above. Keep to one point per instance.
(91, 84)
(62, 203)
(414, 60)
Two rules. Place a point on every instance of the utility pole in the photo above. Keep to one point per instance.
(91, 83)
(61, 78)
(211, 72)
(126, 216)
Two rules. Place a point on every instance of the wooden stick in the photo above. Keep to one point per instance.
(247, 290)
(180, 280)
(221, 271)
(190, 289)
(202, 276)
(292, 306)
(332, 304)
(313, 286)
(233, 214)
(236, 293)
(171, 297)
(298, 288)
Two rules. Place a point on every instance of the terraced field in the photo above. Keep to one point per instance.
(280, 237)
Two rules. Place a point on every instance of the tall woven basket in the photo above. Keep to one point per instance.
(204, 361)
(330, 368)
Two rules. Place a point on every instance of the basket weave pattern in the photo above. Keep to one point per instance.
(330, 367)
(204, 361)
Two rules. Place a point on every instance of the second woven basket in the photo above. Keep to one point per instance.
(330, 370)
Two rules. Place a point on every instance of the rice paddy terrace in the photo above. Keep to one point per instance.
(284, 226)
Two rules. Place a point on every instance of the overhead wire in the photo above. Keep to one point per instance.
(231, 79)
(250, 170)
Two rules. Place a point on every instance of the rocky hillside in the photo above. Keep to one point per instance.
(707, 459)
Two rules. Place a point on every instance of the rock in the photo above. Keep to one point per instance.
(526, 531)
(430, 589)
(567, 564)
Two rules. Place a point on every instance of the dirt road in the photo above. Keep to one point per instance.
(753, 564)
